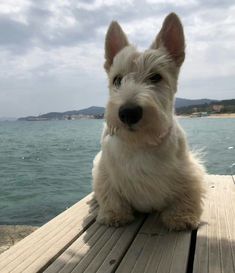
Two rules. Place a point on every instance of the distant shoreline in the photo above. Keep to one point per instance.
(12, 234)
(232, 115)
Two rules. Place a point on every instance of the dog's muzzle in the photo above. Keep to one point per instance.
(130, 114)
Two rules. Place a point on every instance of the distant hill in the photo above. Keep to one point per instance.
(98, 112)
(222, 107)
(93, 110)
(179, 102)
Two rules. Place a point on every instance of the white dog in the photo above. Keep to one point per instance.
(145, 163)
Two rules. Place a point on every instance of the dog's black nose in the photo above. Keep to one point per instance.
(130, 114)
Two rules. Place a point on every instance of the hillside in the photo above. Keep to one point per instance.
(91, 112)
(98, 112)
(179, 102)
(220, 107)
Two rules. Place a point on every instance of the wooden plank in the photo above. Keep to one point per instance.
(215, 247)
(155, 249)
(86, 241)
(40, 233)
(38, 249)
(99, 249)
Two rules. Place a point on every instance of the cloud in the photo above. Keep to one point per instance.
(13, 33)
(52, 51)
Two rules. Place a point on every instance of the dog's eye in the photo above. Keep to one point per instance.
(155, 78)
(117, 80)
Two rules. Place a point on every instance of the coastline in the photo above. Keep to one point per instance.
(232, 115)
(10, 235)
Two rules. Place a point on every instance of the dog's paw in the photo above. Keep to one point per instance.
(114, 219)
(180, 222)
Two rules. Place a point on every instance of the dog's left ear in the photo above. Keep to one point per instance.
(171, 36)
(115, 41)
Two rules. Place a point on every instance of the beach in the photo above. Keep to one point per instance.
(231, 115)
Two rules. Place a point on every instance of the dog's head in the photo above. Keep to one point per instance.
(142, 85)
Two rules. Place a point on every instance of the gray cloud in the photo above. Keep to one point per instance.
(52, 52)
(15, 36)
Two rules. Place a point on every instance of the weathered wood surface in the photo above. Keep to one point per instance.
(33, 253)
(74, 242)
(157, 250)
(215, 245)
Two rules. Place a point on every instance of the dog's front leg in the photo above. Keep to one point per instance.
(183, 213)
(113, 209)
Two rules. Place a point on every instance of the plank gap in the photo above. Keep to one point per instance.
(131, 242)
(192, 248)
(233, 179)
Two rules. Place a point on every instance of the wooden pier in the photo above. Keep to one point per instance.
(74, 242)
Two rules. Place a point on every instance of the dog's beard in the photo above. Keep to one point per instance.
(136, 135)
(112, 130)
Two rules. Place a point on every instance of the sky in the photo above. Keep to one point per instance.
(52, 52)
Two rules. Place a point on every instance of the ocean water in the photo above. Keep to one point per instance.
(45, 167)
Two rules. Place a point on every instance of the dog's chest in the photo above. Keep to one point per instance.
(138, 174)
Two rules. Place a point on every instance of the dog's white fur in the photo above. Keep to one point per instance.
(147, 166)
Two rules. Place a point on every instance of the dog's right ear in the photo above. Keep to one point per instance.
(171, 36)
(115, 41)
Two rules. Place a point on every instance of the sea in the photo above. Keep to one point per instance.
(45, 166)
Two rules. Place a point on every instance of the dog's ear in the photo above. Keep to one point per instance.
(171, 36)
(115, 41)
